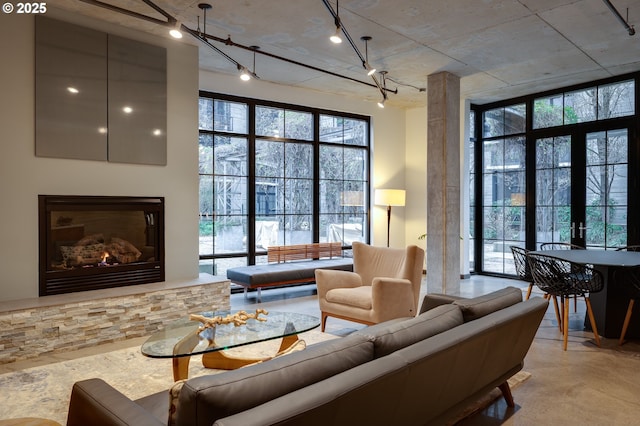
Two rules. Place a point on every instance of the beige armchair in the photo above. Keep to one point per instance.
(385, 284)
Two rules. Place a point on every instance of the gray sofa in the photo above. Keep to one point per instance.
(409, 371)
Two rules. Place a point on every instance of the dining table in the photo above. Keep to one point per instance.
(609, 305)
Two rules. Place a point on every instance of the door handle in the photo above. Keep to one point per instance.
(573, 229)
(582, 228)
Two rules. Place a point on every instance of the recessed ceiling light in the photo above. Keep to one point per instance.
(127, 110)
(73, 90)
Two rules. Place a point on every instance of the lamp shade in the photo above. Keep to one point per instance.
(390, 197)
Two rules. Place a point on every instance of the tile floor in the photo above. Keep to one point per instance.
(585, 385)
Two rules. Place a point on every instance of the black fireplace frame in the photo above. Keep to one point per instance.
(84, 279)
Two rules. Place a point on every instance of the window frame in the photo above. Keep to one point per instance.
(253, 254)
(531, 133)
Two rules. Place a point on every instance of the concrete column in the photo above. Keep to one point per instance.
(443, 183)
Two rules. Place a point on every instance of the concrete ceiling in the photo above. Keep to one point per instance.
(499, 48)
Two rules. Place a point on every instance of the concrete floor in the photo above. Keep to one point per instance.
(585, 385)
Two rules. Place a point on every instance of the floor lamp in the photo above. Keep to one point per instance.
(389, 197)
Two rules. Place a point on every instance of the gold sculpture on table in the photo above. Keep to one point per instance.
(238, 319)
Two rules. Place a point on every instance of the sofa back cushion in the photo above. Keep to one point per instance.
(478, 307)
(204, 399)
(396, 334)
(430, 382)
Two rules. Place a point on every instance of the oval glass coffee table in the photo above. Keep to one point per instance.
(181, 339)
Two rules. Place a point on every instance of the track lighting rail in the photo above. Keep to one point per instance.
(383, 89)
(205, 38)
(227, 41)
(623, 21)
(125, 11)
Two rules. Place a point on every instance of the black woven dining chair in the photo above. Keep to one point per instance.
(522, 267)
(564, 279)
(523, 271)
(563, 246)
(628, 279)
(560, 246)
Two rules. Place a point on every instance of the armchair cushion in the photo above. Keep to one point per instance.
(396, 334)
(359, 297)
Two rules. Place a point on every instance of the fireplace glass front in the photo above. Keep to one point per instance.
(89, 243)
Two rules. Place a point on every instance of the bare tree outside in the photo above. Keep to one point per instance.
(283, 178)
(503, 172)
(606, 166)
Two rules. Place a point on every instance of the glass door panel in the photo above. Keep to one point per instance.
(606, 189)
(553, 190)
(504, 208)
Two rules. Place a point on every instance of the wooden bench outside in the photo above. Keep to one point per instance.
(280, 254)
(294, 264)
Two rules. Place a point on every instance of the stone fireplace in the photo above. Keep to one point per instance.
(98, 242)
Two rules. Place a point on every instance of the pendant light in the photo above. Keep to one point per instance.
(336, 39)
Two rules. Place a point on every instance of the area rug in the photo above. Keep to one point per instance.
(44, 391)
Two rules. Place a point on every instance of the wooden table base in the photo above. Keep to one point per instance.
(223, 361)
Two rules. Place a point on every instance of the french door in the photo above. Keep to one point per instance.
(581, 188)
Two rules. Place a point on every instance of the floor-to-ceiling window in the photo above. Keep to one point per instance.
(555, 167)
(503, 183)
(472, 190)
(278, 174)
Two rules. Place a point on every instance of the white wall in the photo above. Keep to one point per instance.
(416, 176)
(388, 139)
(23, 175)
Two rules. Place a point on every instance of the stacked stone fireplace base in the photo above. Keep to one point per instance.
(53, 324)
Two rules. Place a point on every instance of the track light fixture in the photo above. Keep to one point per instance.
(624, 22)
(244, 73)
(370, 70)
(365, 63)
(383, 89)
(175, 30)
(336, 39)
(202, 36)
(254, 48)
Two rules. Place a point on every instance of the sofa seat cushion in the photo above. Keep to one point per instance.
(478, 307)
(358, 297)
(257, 275)
(205, 399)
(392, 335)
